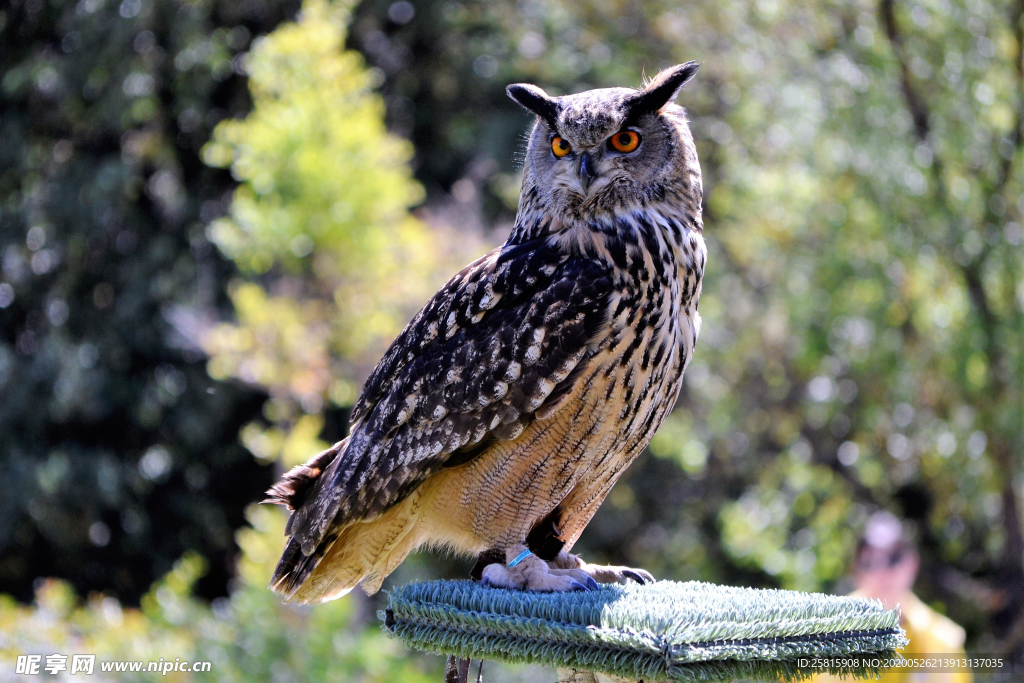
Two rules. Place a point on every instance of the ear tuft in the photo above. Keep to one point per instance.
(535, 100)
(662, 89)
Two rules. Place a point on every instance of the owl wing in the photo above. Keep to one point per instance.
(496, 344)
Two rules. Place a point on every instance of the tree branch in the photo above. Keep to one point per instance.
(1016, 137)
(916, 104)
(1003, 455)
(920, 113)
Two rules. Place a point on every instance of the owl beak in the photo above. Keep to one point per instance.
(587, 173)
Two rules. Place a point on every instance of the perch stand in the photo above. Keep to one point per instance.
(664, 631)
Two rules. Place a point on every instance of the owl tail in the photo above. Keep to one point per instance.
(364, 551)
(292, 492)
(296, 484)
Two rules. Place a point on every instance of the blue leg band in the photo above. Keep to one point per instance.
(519, 558)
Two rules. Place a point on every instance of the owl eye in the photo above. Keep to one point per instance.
(560, 146)
(625, 141)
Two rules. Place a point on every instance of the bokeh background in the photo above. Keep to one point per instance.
(215, 215)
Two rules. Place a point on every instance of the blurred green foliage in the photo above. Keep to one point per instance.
(320, 225)
(117, 451)
(319, 172)
(250, 636)
(863, 343)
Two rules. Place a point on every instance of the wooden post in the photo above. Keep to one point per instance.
(456, 669)
(576, 676)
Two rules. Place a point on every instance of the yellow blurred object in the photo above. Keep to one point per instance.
(930, 634)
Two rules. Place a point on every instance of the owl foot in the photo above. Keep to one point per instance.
(600, 573)
(534, 574)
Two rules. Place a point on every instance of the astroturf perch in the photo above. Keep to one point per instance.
(663, 631)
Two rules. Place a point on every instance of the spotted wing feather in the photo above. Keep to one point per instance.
(473, 366)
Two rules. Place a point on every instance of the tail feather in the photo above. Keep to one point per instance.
(361, 552)
(296, 484)
(292, 491)
(295, 567)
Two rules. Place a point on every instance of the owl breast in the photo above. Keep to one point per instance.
(659, 264)
(565, 462)
(634, 375)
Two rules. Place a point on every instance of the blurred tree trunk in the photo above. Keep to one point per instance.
(1005, 384)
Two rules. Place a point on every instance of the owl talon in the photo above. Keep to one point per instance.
(592, 585)
(572, 565)
(534, 574)
(639, 575)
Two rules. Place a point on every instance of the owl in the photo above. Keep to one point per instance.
(504, 412)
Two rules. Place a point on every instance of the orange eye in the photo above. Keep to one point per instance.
(626, 141)
(560, 146)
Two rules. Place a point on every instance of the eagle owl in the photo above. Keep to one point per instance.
(504, 412)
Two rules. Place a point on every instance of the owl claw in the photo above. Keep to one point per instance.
(639, 575)
(564, 573)
(582, 571)
(534, 574)
(621, 575)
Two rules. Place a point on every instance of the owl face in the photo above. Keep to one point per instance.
(608, 150)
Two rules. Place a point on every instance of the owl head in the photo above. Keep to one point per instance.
(609, 150)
